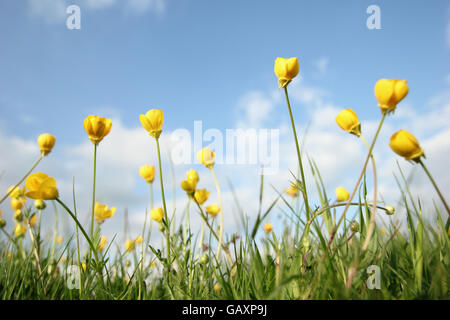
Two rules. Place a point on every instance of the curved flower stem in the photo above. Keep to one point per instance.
(219, 195)
(23, 178)
(93, 191)
(357, 183)
(166, 217)
(305, 197)
(435, 186)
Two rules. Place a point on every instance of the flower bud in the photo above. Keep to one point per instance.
(161, 227)
(16, 204)
(130, 245)
(389, 92)
(390, 210)
(188, 186)
(157, 214)
(268, 227)
(201, 195)
(286, 70)
(348, 121)
(204, 259)
(19, 230)
(342, 194)
(354, 226)
(18, 215)
(217, 287)
(206, 157)
(46, 142)
(213, 209)
(147, 172)
(2, 223)
(97, 128)
(406, 145)
(39, 204)
(192, 175)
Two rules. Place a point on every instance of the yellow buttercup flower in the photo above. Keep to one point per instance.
(130, 245)
(46, 142)
(139, 239)
(153, 121)
(16, 204)
(147, 172)
(268, 227)
(293, 190)
(103, 242)
(341, 194)
(157, 214)
(18, 193)
(188, 186)
(41, 186)
(286, 70)
(206, 157)
(201, 195)
(59, 239)
(102, 212)
(389, 92)
(217, 287)
(19, 230)
(97, 128)
(83, 266)
(32, 221)
(348, 121)
(406, 145)
(192, 175)
(213, 209)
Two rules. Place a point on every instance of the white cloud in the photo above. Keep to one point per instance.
(322, 65)
(141, 6)
(52, 11)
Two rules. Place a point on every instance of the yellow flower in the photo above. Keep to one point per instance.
(153, 121)
(16, 204)
(201, 195)
(97, 128)
(18, 216)
(341, 194)
(406, 145)
(382, 232)
(83, 266)
(147, 172)
(286, 70)
(348, 121)
(157, 214)
(18, 193)
(268, 227)
(103, 242)
(139, 240)
(153, 264)
(19, 230)
(130, 245)
(192, 175)
(206, 157)
(41, 186)
(102, 212)
(46, 141)
(217, 287)
(188, 186)
(390, 210)
(213, 209)
(32, 221)
(389, 92)
(59, 239)
(292, 190)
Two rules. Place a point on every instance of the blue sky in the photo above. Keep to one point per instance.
(205, 60)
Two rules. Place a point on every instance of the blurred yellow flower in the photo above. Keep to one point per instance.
(41, 186)
(46, 142)
(19, 230)
(217, 287)
(406, 145)
(389, 92)
(103, 242)
(341, 194)
(192, 175)
(348, 121)
(18, 216)
(286, 70)
(16, 204)
(18, 193)
(383, 231)
(102, 212)
(268, 227)
(97, 128)
(206, 157)
(153, 264)
(201, 195)
(83, 266)
(213, 209)
(147, 172)
(293, 190)
(130, 245)
(153, 121)
(138, 240)
(157, 214)
(188, 186)
(32, 221)
(59, 239)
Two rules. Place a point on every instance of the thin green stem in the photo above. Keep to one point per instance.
(93, 191)
(166, 217)
(435, 186)
(23, 178)
(219, 195)
(305, 196)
